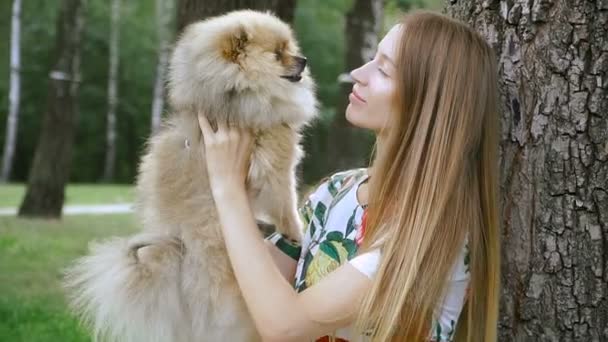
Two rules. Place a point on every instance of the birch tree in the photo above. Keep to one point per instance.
(110, 159)
(348, 146)
(12, 123)
(164, 11)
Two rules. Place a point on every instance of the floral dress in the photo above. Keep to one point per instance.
(334, 225)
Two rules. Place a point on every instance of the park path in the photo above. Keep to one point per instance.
(118, 208)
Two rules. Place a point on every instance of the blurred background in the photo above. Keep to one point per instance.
(81, 90)
(319, 25)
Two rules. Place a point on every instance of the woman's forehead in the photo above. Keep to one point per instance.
(388, 44)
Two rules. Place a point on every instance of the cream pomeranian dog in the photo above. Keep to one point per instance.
(173, 281)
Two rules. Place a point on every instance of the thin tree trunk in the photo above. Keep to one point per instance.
(189, 11)
(52, 160)
(164, 9)
(110, 161)
(12, 122)
(348, 146)
(553, 69)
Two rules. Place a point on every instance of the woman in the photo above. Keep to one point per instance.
(395, 252)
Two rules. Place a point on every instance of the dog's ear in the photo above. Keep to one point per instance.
(234, 45)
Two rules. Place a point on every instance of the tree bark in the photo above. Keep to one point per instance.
(348, 146)
(189, 11)
(553, 72)
(110, 161)
(12, 121)
(51, 166)
(164, 9)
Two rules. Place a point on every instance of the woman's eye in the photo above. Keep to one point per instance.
(382, 72)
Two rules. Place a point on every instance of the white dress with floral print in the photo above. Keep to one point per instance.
(332, 218)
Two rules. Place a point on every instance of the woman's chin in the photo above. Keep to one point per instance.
(352, 117)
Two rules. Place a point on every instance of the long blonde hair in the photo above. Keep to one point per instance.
(434, 185)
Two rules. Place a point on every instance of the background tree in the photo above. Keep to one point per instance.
(193, 10)
(110, 161)
(15, 87)
(318, 24)
(553, 64)
(51, 166)
(164, 15)
(349, 146)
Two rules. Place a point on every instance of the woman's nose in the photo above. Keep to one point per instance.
(358, 75)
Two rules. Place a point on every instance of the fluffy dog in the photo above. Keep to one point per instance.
(173, 281)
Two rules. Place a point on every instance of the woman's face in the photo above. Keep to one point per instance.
(374, 86)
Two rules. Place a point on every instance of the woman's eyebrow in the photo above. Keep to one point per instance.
(386, 57)
(383, 55)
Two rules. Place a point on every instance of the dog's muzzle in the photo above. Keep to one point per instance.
(298, 69)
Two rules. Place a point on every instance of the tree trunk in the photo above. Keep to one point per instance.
(164, 9)
(110, 161)
(553, 71)
(12, 122)
(189, 11)
(51, 166)
(348, 146)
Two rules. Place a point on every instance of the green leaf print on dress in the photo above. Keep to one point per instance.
(328, 247)
(305, 214)
(331, 255)
(350, 226)
(320, 213)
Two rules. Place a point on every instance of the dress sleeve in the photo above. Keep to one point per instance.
(448, 311)
(367, 263)
(291, 247)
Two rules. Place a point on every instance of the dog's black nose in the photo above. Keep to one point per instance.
(296, 69)
(301, 62)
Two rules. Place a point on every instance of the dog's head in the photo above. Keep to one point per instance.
(244, 66)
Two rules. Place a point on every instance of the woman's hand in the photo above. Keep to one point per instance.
(227, 154)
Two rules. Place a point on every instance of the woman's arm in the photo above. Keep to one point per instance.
(279, 313)
(287, 266)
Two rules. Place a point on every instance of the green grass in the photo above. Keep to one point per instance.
(12, 194)
(32, 255)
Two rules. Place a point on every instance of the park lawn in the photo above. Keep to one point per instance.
(32, 255)
(12, 194)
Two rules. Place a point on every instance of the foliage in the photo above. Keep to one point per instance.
(319, 25)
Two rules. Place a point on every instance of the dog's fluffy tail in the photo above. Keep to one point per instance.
(128, 289)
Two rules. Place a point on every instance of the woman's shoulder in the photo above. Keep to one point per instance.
(329, 187)
(341, 179)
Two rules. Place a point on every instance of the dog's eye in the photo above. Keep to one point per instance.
(278, 55)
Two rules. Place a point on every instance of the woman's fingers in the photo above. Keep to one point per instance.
(205, 126)
(222, 127)
(247, 137)
(224, 132)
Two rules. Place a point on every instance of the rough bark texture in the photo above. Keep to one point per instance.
(108, 171)
(13, 96)
(189, 11)
(348, 146)
(51, 166)
(553, 68)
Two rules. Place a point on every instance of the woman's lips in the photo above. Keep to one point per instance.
(356, 96)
